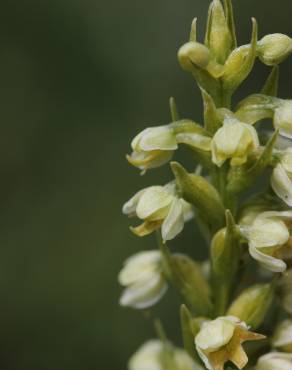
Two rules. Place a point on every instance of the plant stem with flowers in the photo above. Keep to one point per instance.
(232, 150)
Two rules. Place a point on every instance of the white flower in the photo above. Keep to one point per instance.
(153, 147)
(275, 361)
(286, 287)
(282, 338)
(283, 117)
(220, 341)
(159, 206)
(269, 239)
(154, 355)
(143, 279)
(281, 180)
(235, 140)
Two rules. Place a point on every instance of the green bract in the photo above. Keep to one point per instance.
(248, 283)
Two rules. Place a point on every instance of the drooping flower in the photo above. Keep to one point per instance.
(153, 147)
(269, 240)
(220, 341)
(155, 355)
(281, 179)
(159, 206)
(235, 140)
(143, 279)
(275, 361)
(282, 339)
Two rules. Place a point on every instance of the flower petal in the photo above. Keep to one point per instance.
(144, 294)
(269, 262)
(153, 200)
(282, 184)
(174, 222)
(158, 138)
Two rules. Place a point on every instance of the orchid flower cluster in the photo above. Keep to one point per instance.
(243, 292)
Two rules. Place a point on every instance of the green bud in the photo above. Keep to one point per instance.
(199, 192)
(193, 53)
(192, 284)
(186, 328)
(211, 117)
(225, 251)
(218, 37)
(274, 49)
(240, 62)
(252, 305)
(187, 277)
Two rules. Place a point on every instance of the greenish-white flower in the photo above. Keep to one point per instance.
(143, 279)
(235, 140)
(281, 180)
(159, 206)
(153, 147)
(268, 237)
(286, 287)
(282, 339)
(154, 355)
(273, 49)
(220, 341)
(275, 361)
(283, 117)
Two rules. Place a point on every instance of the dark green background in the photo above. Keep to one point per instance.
(78, 79)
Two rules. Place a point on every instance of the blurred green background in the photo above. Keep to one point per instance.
(78, 80)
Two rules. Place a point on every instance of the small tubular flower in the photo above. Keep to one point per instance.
(143, 279)
(220, 341)
(282, 338)
(153, 147)
(155, 355)
(281, 179)
(159, 206)
(269, 239)
(275, 361)
(235, 140)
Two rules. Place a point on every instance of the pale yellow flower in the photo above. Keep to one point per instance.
(220, 341)
(275, 361)
(154, 356)
(269, 240)
(235, 140)
(143, 279)
(159, 206)
(281, 179)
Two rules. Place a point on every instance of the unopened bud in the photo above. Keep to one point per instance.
(252, 304)
(218, 36)
(193, 53)
(273, 49)
(199, 192)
